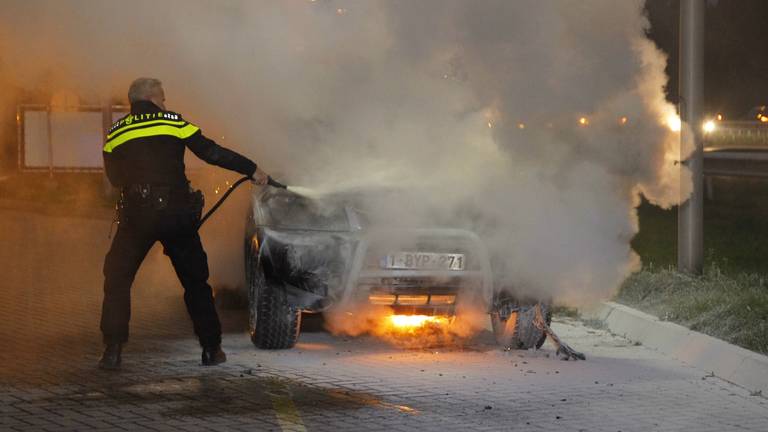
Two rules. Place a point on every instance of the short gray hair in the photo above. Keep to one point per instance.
(142, 89)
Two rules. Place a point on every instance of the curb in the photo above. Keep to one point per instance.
(729, 362)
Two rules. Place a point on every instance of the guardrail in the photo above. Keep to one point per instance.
(735, 149)
(737, 135)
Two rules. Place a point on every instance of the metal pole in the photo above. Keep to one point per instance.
(50, 140)
(21, 157)
(690, 215)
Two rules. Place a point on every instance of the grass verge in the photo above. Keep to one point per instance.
(733, 308)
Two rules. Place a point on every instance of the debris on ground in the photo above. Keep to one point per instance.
(564, 351)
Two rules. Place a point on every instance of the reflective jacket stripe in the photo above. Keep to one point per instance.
(142, 124)
(161, 129)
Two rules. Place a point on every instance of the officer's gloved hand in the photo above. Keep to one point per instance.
(259, 177)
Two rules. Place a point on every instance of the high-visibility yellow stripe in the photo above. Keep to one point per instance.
(140, 124)
(183, 132)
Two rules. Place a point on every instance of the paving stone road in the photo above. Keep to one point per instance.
(49, 344)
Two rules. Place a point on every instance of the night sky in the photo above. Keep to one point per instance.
(736, 59)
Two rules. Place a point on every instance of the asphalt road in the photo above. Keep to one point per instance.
(50, 295)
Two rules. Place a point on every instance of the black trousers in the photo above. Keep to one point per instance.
(138, 230)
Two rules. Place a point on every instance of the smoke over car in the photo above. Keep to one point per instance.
(427, 97)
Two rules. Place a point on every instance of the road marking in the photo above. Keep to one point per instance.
(288, 416)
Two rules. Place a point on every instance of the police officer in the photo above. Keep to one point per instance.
(144, 157)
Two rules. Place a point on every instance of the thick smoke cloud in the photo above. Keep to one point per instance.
(472, 107)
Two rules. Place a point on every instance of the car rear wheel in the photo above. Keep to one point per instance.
(517, 330)
(274, 324)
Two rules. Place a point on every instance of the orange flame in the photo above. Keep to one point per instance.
(412, 323)
(415, 331)
(410, 330)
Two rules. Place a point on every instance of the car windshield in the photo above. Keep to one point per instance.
(296, 212)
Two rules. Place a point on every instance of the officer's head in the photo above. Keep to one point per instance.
(147, 89)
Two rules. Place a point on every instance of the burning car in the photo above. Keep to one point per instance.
(309, 255)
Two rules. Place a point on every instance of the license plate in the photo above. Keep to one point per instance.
(423, 261)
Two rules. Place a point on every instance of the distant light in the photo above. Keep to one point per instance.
(521, 125)
(341, 11)
(709, 126)
(583, 121)
(764, 119)
(719, 117)
(490, 125)
(674, 123)
(623, 120)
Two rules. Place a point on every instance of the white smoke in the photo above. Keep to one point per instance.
(474, 107)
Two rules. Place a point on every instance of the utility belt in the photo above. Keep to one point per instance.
(161, 197)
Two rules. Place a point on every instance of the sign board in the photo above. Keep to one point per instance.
(62, 140)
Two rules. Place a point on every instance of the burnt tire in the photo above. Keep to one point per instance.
(273, 323)
(525, 335)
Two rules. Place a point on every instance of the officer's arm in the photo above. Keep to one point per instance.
(207, 150)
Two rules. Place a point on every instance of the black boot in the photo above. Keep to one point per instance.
(110, 360)
(213, 356)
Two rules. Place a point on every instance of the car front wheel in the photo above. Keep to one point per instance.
(274, 324)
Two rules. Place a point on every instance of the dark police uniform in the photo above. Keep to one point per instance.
(144, 157)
